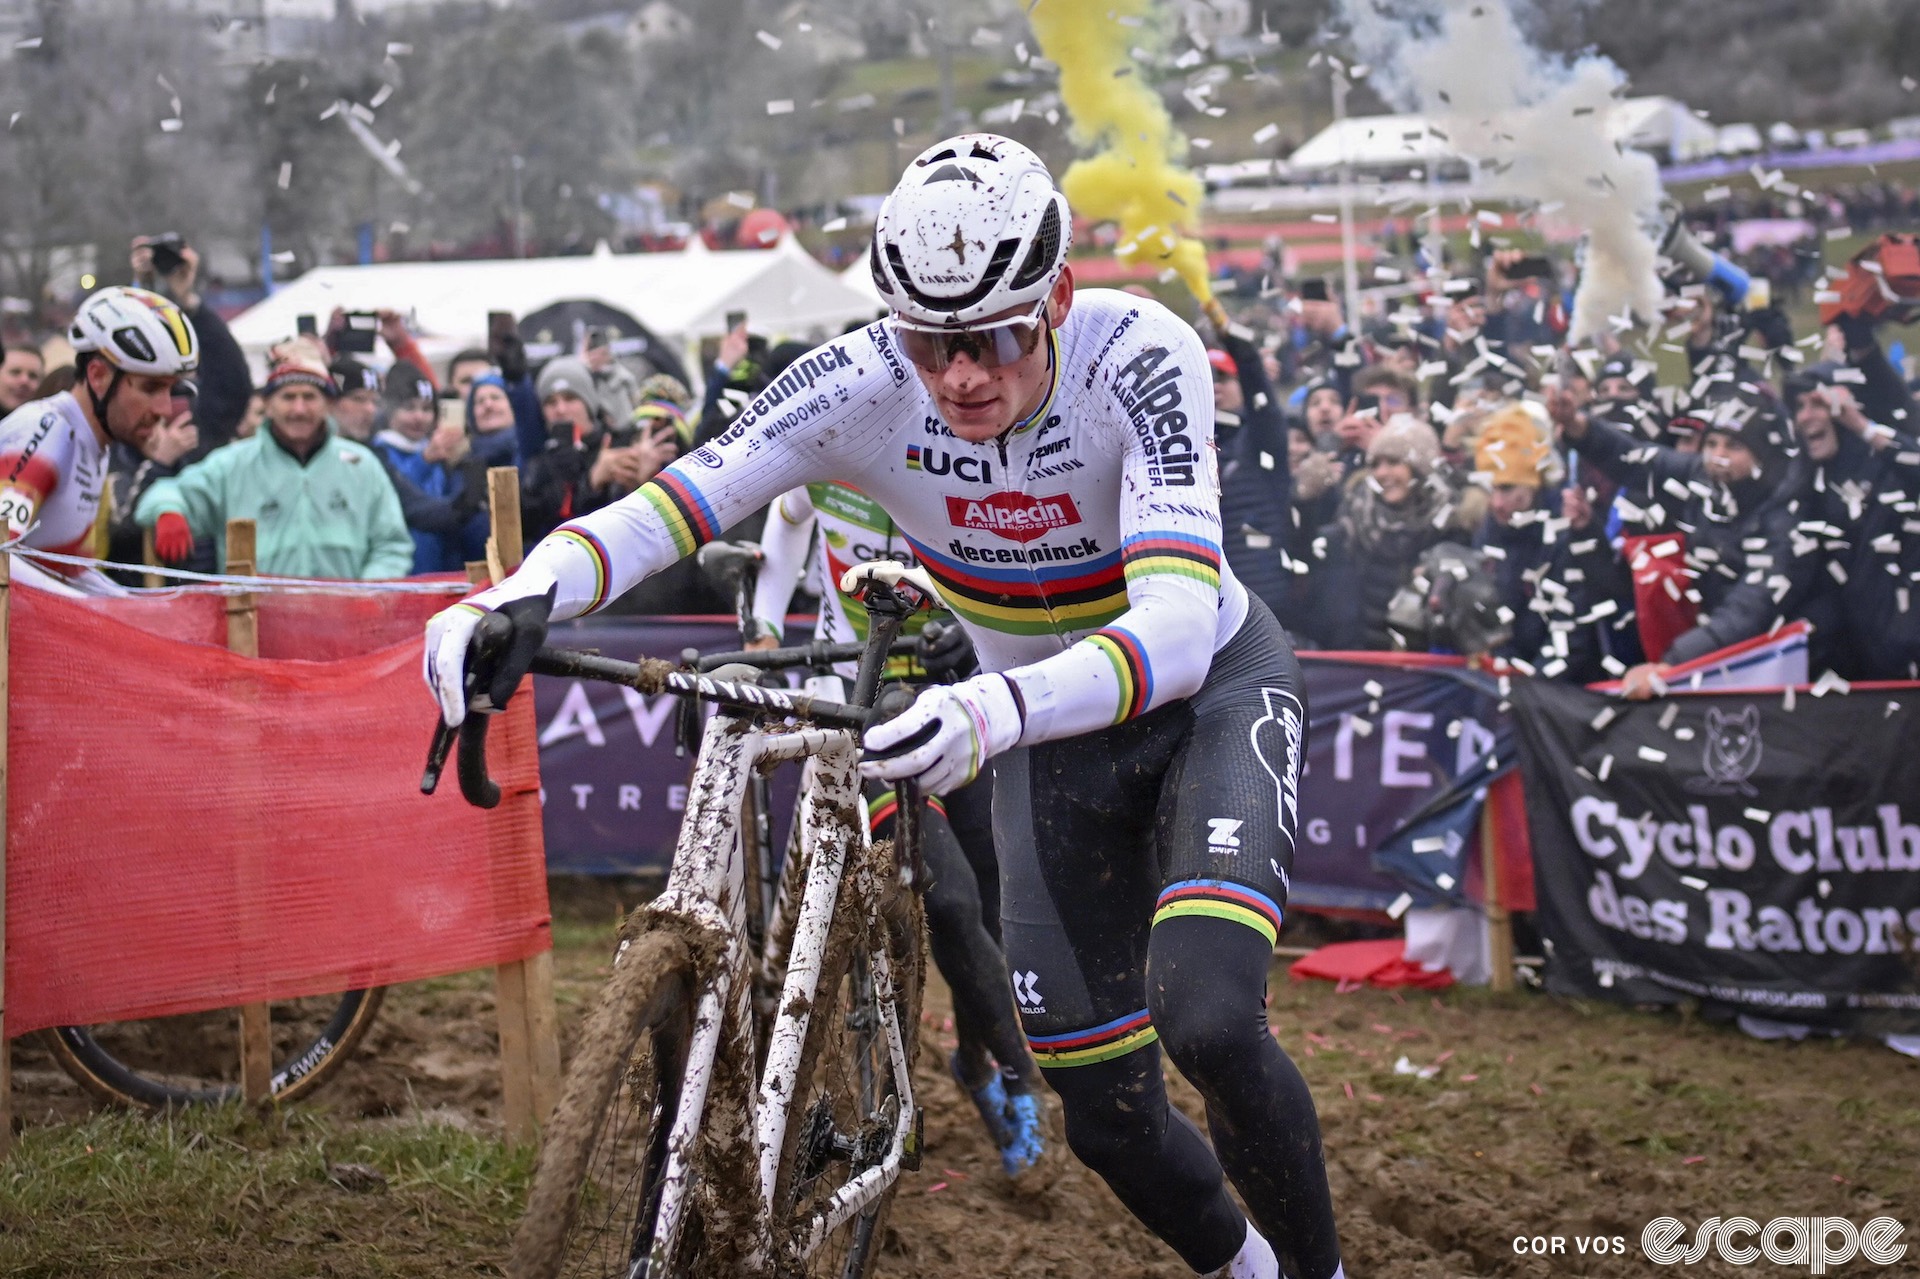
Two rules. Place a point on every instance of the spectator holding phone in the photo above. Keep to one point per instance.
(168, 265)
(586, 463)
(442, 494)
(356, 410)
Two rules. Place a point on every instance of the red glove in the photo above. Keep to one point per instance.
(172, 538)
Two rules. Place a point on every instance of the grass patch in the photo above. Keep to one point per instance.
(216, 1192)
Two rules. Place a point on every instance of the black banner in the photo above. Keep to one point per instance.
(1758, 852)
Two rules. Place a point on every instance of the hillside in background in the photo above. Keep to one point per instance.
(1809, 62)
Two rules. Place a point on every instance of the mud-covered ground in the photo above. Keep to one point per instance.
(1542, 1118)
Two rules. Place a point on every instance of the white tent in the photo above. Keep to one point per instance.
(682, 297)
(1395, 141)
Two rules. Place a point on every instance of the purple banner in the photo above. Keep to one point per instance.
(1382, 741)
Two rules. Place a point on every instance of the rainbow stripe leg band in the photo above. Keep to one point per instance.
(1218, 899)
(1103, 1043)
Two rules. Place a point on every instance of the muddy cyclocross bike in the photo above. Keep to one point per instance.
(692, 1136)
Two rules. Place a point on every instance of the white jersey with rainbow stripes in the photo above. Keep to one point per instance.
(1081, 549)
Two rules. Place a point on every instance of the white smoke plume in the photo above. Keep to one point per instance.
(1539, 121)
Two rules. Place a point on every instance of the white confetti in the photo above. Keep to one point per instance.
(740, 199)
(172, 126)
(1265, 134)
(380, 97)
(1760, 815)
(1830, 682)
(837, 224)
(32, 42)
(1430, 844)
(1606, 767)
(1606, 716)
(397, 49)
(780, 106)
(767, 38)
(1694, 882)
(286, 174)
(1399, 906)
(1651, 755)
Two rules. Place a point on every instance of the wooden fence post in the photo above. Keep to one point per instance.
(243, 637)
(6, 1045)
(523, 990)
(1499, 922)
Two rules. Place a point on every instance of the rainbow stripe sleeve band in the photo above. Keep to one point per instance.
(1218, 899)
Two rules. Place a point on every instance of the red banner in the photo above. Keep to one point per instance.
(188, 829)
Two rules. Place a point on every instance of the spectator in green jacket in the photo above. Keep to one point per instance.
(322, 504)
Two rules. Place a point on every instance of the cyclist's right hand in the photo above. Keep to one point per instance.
(464, 669)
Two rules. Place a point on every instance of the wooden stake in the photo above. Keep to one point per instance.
(523, 991)
(6, 1045)
(1499, 923)
(243, 637)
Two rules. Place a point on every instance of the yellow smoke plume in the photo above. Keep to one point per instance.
(1135, 177)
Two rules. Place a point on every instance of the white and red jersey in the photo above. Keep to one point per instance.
(1081, 549)
(53, 472)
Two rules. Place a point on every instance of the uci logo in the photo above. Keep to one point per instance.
(934, 461)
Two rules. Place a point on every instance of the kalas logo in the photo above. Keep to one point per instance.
(1014, 516)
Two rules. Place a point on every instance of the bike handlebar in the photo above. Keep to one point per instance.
(649, 676)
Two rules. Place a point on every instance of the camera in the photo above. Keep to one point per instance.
(358, 333)
(166, 252)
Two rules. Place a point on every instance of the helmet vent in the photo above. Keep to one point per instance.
(880, 280)
(980, 152)
(134, 343)
(952, 173)
(1045, 250)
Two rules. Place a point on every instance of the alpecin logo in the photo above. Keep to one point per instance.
(1014, 516)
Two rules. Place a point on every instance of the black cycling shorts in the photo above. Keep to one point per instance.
(1190, 810)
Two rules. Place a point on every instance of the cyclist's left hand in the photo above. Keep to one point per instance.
(976, 719)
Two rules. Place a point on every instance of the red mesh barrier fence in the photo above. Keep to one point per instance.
(188, 829)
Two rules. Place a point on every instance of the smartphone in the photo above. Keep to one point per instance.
(1367, 404)
(1314, 290)
(1532, 267)
(735, 319)
(452, 413)
(166, 252)
(305, 326)
(358, 333)
(501, 324)
(596, 339)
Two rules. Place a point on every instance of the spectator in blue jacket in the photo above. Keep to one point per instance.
(441, 484)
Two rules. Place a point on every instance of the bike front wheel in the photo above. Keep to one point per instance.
(848, 1100)
(194, 1058)
(595, 1198)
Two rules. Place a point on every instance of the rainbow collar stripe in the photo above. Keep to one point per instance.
(1053, 386)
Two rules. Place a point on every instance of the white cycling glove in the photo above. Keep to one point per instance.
(976, 718)
(449, 649)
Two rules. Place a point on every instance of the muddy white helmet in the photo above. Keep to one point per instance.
(975, 227)
(136, 331)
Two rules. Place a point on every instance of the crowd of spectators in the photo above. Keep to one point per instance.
(1438, 473)
(1449, 475)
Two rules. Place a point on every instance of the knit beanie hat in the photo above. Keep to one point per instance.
(1753, 416)
(297, 368)
(1406, 439)
(569, 373)
(350, 375)
(406, 384)
(665, 386)
(1510, 450)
